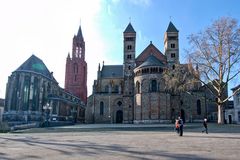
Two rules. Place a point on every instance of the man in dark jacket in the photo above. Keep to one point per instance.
(180, 122)
(205, 126)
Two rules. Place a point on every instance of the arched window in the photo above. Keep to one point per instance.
(137, 87)
(101, 108)
(106, 88)
(116, 88)
(75, 68)
(154, 86)
(199, 107)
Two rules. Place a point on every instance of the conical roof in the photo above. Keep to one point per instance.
(171, 28)
(152, 61)
(36, 65)
(129, 29)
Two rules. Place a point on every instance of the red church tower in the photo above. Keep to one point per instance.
(76, 68)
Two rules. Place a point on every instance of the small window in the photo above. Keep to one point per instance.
(129, 67)
(129, 47)
(138, 87)
(173, 67)
(173, 55)
(154, 86)
(199, 107)
(172, 45)
(75, 78)
(101, 108)
(129, 56)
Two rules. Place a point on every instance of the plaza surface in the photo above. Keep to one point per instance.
(112, 141)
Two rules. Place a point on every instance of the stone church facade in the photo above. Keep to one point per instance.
(135, 92)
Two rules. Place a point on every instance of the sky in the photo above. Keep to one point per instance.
(45, 28)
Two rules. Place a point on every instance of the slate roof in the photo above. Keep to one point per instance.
(129, 29)
(112, 71)
(36, 65)
(152, 61)
(171, 28)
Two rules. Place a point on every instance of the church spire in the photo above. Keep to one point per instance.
(171, 28)
(79, 34)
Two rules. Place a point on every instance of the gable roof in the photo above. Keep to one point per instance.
(112, 71)
(129, 29)
(152, 61)
(36, 65)
(171, 28)
(150, 50)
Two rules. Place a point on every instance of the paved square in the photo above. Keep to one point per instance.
(122, 142)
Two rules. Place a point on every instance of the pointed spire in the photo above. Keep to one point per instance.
(98, 66)
(79, 35)
(129, 29)
(171, 28)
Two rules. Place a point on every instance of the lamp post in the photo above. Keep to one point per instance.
(47, 108)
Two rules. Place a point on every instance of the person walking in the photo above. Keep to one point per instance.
(180, 122)
(205, 126)
(177, 126)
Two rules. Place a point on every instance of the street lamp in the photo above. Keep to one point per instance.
(47, 109)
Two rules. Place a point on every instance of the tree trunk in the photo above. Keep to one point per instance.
(220, 114)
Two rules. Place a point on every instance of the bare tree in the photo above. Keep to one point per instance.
(216, 53)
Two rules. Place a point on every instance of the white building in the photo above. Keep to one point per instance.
(233, 115)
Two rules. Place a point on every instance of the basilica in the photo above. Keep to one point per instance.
(136, 91)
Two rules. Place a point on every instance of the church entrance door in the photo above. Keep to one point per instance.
(119, 116)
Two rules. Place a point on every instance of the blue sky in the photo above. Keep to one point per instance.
(46, 28)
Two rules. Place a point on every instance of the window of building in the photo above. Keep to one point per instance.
(129, 39)
(129, 67)
(106, 88)
(138, 87)
(173, 67)
(75, 78)
(116, 88)
(129, 47)
(173, 55)
(119, 103)
(199, 112)
(101, 108)
(129, 56)
(26, 92)
(154, 86)
(75, 68)
(238, 116)
(172, 45)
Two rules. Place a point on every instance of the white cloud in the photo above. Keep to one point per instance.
(46, 28)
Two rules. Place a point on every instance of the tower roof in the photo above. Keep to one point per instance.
(129, 29)
(152, 61)
(171, 28)
(36, 65)
(79, 34)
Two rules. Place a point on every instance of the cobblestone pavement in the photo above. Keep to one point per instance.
(115, 142)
